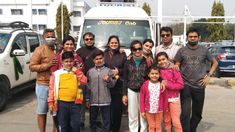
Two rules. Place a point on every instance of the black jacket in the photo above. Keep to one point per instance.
(134, 76)
(116, 60)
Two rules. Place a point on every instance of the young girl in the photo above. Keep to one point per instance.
(174, 83)
(153, 100)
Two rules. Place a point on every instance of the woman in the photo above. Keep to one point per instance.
(115, 61)
(147, 51)
(68, 45)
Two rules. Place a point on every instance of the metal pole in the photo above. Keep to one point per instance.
(185, 22)
(159, 21)
(62, 20)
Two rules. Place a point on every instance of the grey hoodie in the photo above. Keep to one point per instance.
(98, 89)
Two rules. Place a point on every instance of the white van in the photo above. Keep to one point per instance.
(125, 20)
(17, 43)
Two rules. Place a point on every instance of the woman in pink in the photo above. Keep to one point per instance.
(68, 45)
(174, 83)
(152, 100)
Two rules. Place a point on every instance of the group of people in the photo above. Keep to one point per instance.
(168, 86)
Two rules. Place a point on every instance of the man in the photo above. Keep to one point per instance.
(41, 62)
(86, 54)
(192, 62)
(167, 43)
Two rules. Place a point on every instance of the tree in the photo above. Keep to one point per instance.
(178, 28)
(66, 22)
(216, 31)
(202, 28)
(147, 8)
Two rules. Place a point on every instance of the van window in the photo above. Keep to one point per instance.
(33, 42)
(19, 43)
(4, 38)
(126, 30)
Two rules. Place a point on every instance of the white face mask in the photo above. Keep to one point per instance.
(50, 41)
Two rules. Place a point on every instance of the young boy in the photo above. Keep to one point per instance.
(100, 79)
(65, 95)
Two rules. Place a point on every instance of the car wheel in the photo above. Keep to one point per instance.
(217, 73)
(4, 94)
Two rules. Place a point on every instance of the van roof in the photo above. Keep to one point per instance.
(112, 12)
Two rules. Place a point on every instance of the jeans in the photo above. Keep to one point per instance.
(105, 112)
(69, 115)
(192, 101)
(42, 95)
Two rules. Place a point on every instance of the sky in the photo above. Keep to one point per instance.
(196, 7)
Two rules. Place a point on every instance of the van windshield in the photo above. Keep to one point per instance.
(4, 38)
(126, 30)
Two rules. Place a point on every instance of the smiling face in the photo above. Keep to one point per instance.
(148, 47)
(162, 61)
(137, 50)
(69, 45)
(89, 40)
(154, 75)
(113, 44)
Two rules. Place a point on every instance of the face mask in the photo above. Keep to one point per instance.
(192, 43)
(50, 41)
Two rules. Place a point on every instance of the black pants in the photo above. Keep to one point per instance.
(192, 101)
(116, 112)
(105, 112)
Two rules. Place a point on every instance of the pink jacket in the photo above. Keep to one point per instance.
(144, 99)
(174, 81)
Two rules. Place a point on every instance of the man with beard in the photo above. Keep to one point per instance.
(192, 62)
(86, 52)
(167, 43)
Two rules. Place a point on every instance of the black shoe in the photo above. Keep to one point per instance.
(99, 124)
(82, 125)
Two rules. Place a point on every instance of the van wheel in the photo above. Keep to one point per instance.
(4, 94)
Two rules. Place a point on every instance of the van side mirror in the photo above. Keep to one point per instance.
(18, 52)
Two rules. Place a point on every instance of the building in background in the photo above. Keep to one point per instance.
(41, 14)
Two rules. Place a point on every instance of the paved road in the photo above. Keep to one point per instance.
(218, 115)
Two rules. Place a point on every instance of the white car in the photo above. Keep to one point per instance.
(17, 43)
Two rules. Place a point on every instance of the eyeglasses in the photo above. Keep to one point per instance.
(165, 35)
(89, 39)
(135, 49)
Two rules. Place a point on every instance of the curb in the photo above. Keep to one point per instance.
(225, 82)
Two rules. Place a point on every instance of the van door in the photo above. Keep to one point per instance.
(21, 69)
(34, 42)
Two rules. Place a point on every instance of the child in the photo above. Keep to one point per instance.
(174, 83)
(100, 80)
(152, 100)
(65, 96)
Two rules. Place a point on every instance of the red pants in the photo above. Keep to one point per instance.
(173, 115)
(154, 121)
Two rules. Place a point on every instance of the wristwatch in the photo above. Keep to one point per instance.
(208, 74)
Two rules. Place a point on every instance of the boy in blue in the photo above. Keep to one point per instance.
(100, 79)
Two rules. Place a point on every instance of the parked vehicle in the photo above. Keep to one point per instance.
(17, 43)
(126, 20)
(225, 55)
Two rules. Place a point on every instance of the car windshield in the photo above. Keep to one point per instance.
(229, 49)
(126, 30)
(4, 38)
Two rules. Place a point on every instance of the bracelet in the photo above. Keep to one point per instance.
(208, 74)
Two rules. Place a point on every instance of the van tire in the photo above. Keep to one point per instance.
(4, 95)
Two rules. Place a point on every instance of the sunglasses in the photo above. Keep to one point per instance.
(135, 49)
(89, 39)
(165, 35)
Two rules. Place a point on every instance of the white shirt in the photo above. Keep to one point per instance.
(171, 50)
(154, 94)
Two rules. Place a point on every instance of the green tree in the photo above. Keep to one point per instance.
(216, 31)
(147, 8)
(178, 29)
(202, 28)
(229, 31)
(66, 22)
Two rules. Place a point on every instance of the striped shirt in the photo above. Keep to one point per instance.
(171, 50)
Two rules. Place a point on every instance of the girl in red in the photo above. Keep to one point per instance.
(174, 83)
(152, 100)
